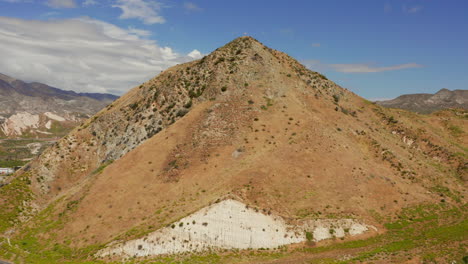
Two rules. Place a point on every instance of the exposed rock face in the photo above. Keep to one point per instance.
(27, 108)
(17, 123)
(231, 224)
(428, 103)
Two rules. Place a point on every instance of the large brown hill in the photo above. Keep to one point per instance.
(245, 121)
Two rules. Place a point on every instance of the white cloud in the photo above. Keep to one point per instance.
(192, 7)
(367, 68)
(195, 54)
(82, 54)
(61, 3)
(146, 11)
(50, 14)
(376, 99)
(89, 3)
(316, 45)
(412, 9)
(317, 65)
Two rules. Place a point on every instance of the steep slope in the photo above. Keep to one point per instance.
(428, 103)
(246, 122)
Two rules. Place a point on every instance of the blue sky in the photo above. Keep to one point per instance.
(377, 49)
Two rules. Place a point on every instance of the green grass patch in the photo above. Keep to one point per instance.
(102, 167)
(12, 163)
(456, 130)
(14, 195)
(430, 231)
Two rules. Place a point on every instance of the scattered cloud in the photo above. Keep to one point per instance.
(316, 45)
(376, 99)
(89, 3)
(48, 15)
(367, 68)
(356, 68)
(315, 65)
(195, 54)
(388, 8)
(146, 11)
(189, 6)
(139, 32)
(86, 55)
(61, 3)
(412, 9)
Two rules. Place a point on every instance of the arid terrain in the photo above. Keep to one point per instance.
(33, 116)
(429, 103)
(309, 171)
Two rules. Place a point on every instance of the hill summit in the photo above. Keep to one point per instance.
(231, 152)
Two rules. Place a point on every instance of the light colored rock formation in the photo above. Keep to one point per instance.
(34, 147)
(48, 125)
(322, 229)
(230, 224)
(54, 117)
(18, 123)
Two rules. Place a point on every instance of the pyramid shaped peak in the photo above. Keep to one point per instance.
(244, 42)
(246, 38)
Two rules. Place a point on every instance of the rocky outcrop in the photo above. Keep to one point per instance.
(230, 224)
(27, 107)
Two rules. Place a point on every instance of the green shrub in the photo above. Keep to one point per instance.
(219, 60)
(321, 76)
(181, 112)
(188, 104)
(336, 98)
(134, 106)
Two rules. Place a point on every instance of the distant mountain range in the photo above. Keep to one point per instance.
(428, 103)
(39, 110)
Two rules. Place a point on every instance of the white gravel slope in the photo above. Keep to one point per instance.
(229, 224)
